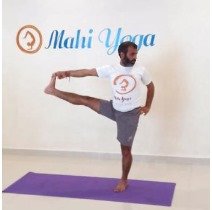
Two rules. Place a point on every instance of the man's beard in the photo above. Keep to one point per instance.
(127, 62)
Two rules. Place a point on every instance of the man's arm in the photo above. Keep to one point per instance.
(82, 73)
(150, 94)
(76, 73)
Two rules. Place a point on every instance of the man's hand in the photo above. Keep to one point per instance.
(61, 74)
(144, 110)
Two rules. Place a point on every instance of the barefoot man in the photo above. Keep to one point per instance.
(125, 107)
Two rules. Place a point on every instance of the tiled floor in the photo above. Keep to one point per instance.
(191, 178)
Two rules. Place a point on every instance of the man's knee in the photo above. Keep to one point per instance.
(126, 151)
(91, 102)
(87, 101)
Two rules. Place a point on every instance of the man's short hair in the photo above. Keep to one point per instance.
(123, 47)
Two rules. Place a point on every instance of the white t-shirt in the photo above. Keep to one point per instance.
(126, 84)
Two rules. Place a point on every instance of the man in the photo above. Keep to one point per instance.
(125, 107)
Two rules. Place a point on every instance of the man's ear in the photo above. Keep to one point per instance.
(122, 55)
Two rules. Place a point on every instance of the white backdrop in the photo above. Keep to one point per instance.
(178, 123)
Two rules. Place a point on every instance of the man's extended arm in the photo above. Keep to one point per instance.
(76, 73)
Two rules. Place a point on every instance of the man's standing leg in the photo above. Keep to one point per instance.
(73, 98)
(126, 165)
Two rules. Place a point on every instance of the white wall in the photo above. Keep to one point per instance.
(178, 123)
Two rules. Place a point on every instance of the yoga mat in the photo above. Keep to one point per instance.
(96, 188)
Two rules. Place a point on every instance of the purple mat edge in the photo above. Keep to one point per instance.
(99, 177)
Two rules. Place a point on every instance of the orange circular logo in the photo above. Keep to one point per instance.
(29, 39)
(124, 84)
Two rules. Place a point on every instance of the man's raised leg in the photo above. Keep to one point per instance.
(93, 103)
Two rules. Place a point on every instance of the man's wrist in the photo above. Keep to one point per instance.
(148, 106)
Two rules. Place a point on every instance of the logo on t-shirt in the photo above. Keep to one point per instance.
(124, 84)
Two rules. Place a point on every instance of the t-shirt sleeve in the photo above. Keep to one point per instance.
(103, 71)
(145, 76)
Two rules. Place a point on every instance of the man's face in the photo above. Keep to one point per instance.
(128, 59)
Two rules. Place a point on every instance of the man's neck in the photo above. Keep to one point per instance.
(122, 64)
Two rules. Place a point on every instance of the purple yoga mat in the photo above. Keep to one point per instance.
(97, 188)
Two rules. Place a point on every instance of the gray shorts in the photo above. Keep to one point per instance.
(127, 122)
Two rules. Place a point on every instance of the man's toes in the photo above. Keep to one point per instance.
(122, 189)
(117, 189)
(46, 90)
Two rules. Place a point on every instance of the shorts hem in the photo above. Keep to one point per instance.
(124, 144)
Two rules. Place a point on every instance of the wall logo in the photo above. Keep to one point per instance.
(29, 39)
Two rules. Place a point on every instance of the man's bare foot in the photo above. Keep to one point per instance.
(121, 186)
(51, 87)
